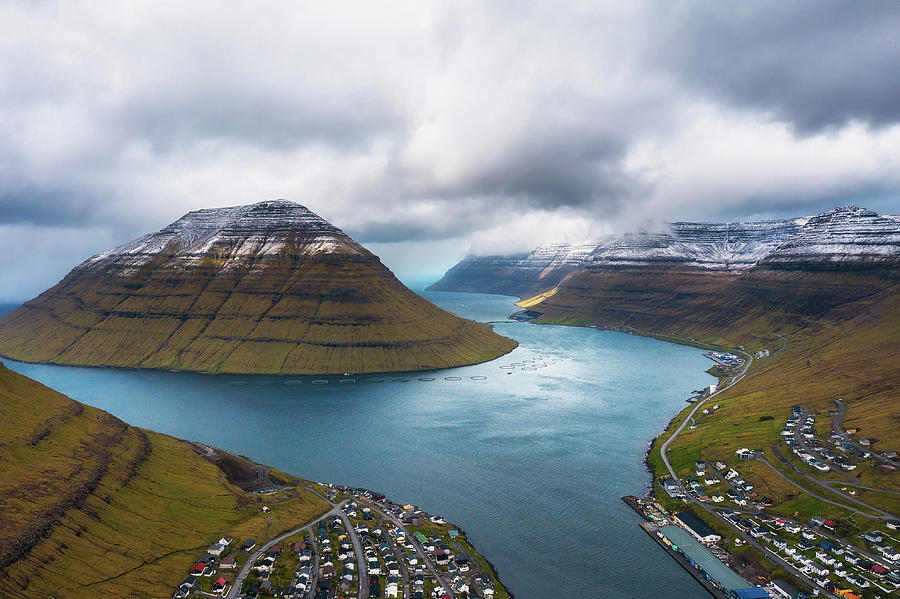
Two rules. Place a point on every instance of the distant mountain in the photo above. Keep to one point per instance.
(711, 246)
(517, 274)
(842, 238)
(264, 288)
(703, 280)
(847, 237)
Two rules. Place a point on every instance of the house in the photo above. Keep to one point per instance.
(893, 524)
(745, 454)
(228, 563)
(198, 569)
(216, 550)
(879, 571)
(872, 536)
(248, 545)
(890, 554)
(817, 520)
(865, 442)
(219, 585)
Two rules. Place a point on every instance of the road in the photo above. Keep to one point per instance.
(882, 514)
(734, 381)
(766, 551)
(361, 564)
(800, 441)
(235, 589)
(419, 550)
(747, 538)
(837, 425)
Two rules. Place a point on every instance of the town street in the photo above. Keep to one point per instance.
(235, 589)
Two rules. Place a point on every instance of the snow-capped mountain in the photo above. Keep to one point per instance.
(517, 274)
(716, 246)
(264, 288)
(231, 235)
(845, 237)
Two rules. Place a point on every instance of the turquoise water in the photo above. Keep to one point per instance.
(530, 459)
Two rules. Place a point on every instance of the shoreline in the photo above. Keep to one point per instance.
(272, 374)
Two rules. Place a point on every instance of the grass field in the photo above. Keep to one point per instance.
(92, 507)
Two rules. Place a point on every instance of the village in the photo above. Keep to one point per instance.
(819, 554)
(366, 547)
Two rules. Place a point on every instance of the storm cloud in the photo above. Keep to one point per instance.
(461, 125)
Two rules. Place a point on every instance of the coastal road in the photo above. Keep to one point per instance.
(734, 381)
(690, 417)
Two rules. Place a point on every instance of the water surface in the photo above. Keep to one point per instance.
(530, 457)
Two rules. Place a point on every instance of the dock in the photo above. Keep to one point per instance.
(651, 529)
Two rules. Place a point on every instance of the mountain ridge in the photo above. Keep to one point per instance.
(730, 247)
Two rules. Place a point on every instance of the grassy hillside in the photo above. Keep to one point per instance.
(92, 507)
(290, 314)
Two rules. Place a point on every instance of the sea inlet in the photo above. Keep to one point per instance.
(529, 453)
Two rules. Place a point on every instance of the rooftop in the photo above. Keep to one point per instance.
(710, 564)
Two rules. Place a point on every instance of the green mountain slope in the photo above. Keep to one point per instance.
(93, 507)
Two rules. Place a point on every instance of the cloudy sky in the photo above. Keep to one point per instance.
(430, 129)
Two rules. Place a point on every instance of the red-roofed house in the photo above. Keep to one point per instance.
(219, 585)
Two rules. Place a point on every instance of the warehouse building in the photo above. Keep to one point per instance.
(697, 527)
(713, 570)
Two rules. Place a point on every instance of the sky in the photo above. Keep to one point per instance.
(429, 130)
